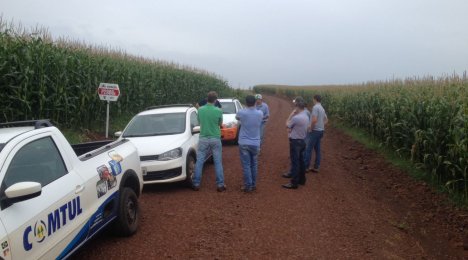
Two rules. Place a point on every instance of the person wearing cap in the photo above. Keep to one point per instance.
(204, 101)
(211, 119)
(307, 112)
(249, 142)
(262, 106)
(316, 129)
(297, 124)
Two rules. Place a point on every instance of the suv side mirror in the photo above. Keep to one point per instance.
(196, 130)
(118, 134)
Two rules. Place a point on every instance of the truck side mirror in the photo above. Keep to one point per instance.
(23, 191)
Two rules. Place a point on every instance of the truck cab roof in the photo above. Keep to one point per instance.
(7, 134)
(10, 130)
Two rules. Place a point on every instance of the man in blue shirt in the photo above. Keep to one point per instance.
(316, 129)
(297, 124)
(262, 106)
(249, 142)
(306, 140)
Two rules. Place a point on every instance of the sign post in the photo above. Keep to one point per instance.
(108, 92)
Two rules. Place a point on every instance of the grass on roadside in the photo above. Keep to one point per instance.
(81, 135)
(74, 136)
(395, 159)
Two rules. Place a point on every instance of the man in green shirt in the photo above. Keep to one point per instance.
(211, 119)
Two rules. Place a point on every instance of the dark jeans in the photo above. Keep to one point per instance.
(296, 153)
(249, 160)
(313, 143)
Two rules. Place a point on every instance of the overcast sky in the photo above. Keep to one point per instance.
(249, 42)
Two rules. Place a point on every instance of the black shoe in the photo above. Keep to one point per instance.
(289, 186)
(287, 175)
(316, 170)
(246, 189)
(221, 188)
(195, 188)
(302, 183)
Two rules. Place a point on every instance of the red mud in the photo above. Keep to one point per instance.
(357, 207)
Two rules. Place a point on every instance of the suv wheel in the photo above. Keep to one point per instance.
(126, 223)
(189, 170)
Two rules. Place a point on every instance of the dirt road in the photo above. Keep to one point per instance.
(357, 207)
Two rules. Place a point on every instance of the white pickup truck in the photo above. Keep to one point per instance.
(52, 200)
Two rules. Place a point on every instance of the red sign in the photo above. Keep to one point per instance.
(108, 91)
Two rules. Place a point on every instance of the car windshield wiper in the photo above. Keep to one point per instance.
(138, 135)
(153, 134)
(131, 135)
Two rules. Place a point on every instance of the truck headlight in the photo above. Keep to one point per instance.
(170, 155)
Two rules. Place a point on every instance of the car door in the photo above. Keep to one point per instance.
(195, 137)
(5, 253)
(194, 122)
(238, 106)
(42, 226)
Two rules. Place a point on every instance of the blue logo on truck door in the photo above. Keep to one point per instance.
(55, 220)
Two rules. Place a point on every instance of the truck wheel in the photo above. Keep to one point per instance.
(189, 170)
(126, 223)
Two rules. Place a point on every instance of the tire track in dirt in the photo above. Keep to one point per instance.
(357, 207)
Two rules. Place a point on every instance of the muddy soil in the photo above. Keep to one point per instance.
(357, 207)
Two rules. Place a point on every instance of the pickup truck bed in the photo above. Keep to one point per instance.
(83, 148)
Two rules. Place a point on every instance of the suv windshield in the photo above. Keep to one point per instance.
(228, 107)
(156, 124)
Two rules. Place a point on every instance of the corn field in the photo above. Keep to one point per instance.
(424, 120)
(58, 80)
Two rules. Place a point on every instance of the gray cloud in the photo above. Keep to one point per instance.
(285, 42)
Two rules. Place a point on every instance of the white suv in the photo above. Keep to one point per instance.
(231, 126)
(166, 138)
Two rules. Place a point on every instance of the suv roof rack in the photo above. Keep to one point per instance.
(173, 105)
(36, 123)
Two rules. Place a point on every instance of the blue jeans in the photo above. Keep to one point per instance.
(205, 145)
(296, 153)
(248, 157)
(262, 132)
(313, 142)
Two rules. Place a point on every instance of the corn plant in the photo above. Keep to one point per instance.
(42, 78)
(424, 120)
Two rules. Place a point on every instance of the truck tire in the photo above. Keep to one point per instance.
(128, 212)
(189, 170)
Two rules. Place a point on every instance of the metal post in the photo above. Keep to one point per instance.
(107, 120)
